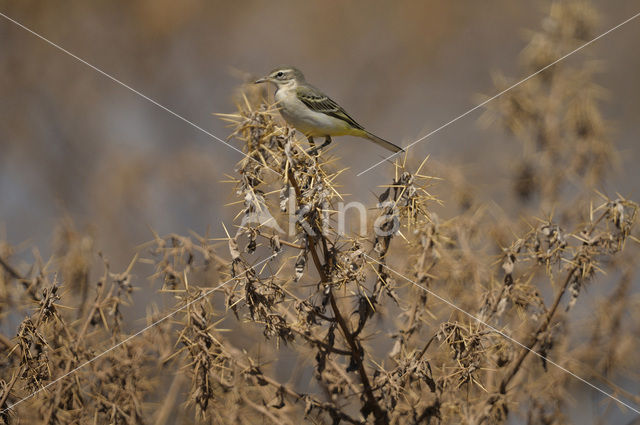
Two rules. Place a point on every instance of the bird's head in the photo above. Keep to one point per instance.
(282, 76)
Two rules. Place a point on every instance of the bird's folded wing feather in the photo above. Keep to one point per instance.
(318, 102)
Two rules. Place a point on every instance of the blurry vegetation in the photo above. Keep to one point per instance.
(330, 328)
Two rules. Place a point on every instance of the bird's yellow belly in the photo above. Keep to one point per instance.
(312, 123)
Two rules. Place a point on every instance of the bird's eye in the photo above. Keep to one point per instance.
(280, 74)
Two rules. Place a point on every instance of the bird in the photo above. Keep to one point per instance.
(312, 112)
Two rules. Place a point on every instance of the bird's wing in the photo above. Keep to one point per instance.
(319, 102)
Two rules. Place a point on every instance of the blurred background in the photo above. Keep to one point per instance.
(79, 151)
(74, 144)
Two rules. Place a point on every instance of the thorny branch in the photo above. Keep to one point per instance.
(343, 341)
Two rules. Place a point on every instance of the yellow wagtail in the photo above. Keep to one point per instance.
(312, 112)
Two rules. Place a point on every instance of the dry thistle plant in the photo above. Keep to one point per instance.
(445, 365)
(422, 318)
(556, 116)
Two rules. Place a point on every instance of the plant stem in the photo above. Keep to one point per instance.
(357, 352)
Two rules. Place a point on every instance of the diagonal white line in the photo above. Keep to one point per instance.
(142, 95)
(130, 337)
(362, 172)
(477, 319)
(502, 92)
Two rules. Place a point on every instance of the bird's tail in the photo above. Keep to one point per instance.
(381, 142)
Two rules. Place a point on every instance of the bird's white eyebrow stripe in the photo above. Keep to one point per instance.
(234, 148)
(128, 87)
(502, 92)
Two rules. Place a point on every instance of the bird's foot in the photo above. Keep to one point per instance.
(314, 150)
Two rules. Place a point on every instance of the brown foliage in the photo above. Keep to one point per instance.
(425, 322)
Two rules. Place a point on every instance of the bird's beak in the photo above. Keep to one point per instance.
(261, 80)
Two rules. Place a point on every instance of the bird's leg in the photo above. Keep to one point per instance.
(311, 143)
(327, 141)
